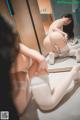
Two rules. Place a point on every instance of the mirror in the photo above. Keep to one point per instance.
(61, 64)
(50, 10)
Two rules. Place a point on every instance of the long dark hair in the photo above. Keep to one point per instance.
(69, 29)
(9, 49)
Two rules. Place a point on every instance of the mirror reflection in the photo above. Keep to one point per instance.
(61, 30)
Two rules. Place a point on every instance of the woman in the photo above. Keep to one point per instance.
(15, 84)
(58, 24)
(55, 42)
(46, 98)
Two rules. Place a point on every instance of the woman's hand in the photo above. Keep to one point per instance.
(42, 66)
(38, 67)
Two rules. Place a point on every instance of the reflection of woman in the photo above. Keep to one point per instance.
(55, 42)
(56, 38)
(57, 25)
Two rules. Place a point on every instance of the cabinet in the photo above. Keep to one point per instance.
(24, 23)
(26, 20)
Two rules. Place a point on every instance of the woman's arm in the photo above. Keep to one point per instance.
(35, 56)
(31, 53)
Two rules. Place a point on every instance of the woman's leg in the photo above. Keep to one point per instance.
(46, 99)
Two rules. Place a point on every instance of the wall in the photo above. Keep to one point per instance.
(76, 7)
(60, 9)
(24, 24)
